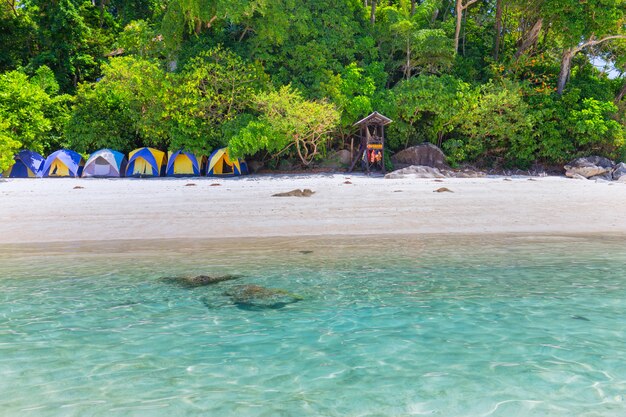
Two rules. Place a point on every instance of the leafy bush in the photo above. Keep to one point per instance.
(287, 124)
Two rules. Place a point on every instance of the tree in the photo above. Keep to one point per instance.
(32, 114)
(8, 146)
(424, 48)
(425, 108)
(212, 89)
(583, 25)
(124, 110)
(459, 9)
(287, 122)
(498, 130)
(352, 92)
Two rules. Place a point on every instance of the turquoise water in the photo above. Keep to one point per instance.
(489, 326)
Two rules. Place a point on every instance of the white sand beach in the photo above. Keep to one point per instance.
(49, 210)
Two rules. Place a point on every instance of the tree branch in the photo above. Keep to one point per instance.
(593, 42)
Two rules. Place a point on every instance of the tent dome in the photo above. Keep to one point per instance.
(146, 162)
(63, 163)
(105, 163)
(28, 164)
(221, 165)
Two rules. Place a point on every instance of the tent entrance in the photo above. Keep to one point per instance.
(102, 167)
(59, 169)
(142, 167)
(183, 165)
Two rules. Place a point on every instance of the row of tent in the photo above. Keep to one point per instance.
(142, 162)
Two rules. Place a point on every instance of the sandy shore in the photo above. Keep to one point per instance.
(48, 210)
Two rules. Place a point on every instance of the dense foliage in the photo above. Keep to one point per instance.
(493, 82)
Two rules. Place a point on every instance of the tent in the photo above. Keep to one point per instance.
(105, 163)
(63, 163)
(181, 163)
(27, 164)
(220, 164)
(146, 162)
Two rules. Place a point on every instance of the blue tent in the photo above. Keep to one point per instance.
(146, 162)
(105, 163)
(27, 164)
(181, 164)
(63, 163)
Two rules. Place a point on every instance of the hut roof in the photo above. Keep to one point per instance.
(374, 118)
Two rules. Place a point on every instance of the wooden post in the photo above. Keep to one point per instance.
(382, 151)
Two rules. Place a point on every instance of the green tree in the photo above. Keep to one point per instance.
(497, 130)
(8, 146)
(124, 110)
(212, 89)
(425, 108)
(352, 92)
(287, 124)
(30, 110)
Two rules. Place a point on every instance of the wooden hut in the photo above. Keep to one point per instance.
(372, 148)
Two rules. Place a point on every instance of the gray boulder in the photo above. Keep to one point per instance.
(578, 177)
(415, 172)
(465, 173)
(337, 160)
(619, 171)
(602, 178)
(254, 166)
(255, 297)
(589, 166)
(425, 154)
(198, 281)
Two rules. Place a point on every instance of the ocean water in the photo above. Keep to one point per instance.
(470, 326)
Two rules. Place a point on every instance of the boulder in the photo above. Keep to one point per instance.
(602, 178)
(295, 193)
(198, 281)
(578, 177)
(619, 171)
(622, 178)
(337, 160)
(415, 171)
(256, 297)
(425, 154)
(344, 156)
(254, 166)
(465, 173)
(589, 166)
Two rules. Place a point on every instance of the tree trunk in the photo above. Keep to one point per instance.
(621, 94)
(407, 70)
(498, 30)
(566, 66)
(568, 55)
(459, 20)
(413, 7)
(459, 17)
(373, 12)
(530, 38)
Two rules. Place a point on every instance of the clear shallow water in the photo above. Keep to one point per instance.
(483, 326)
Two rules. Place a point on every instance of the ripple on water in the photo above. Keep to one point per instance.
(500, 327)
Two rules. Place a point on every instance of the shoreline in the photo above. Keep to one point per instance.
(52, 210)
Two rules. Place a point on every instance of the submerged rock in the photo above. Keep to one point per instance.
(255, 297)
(199, 280)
